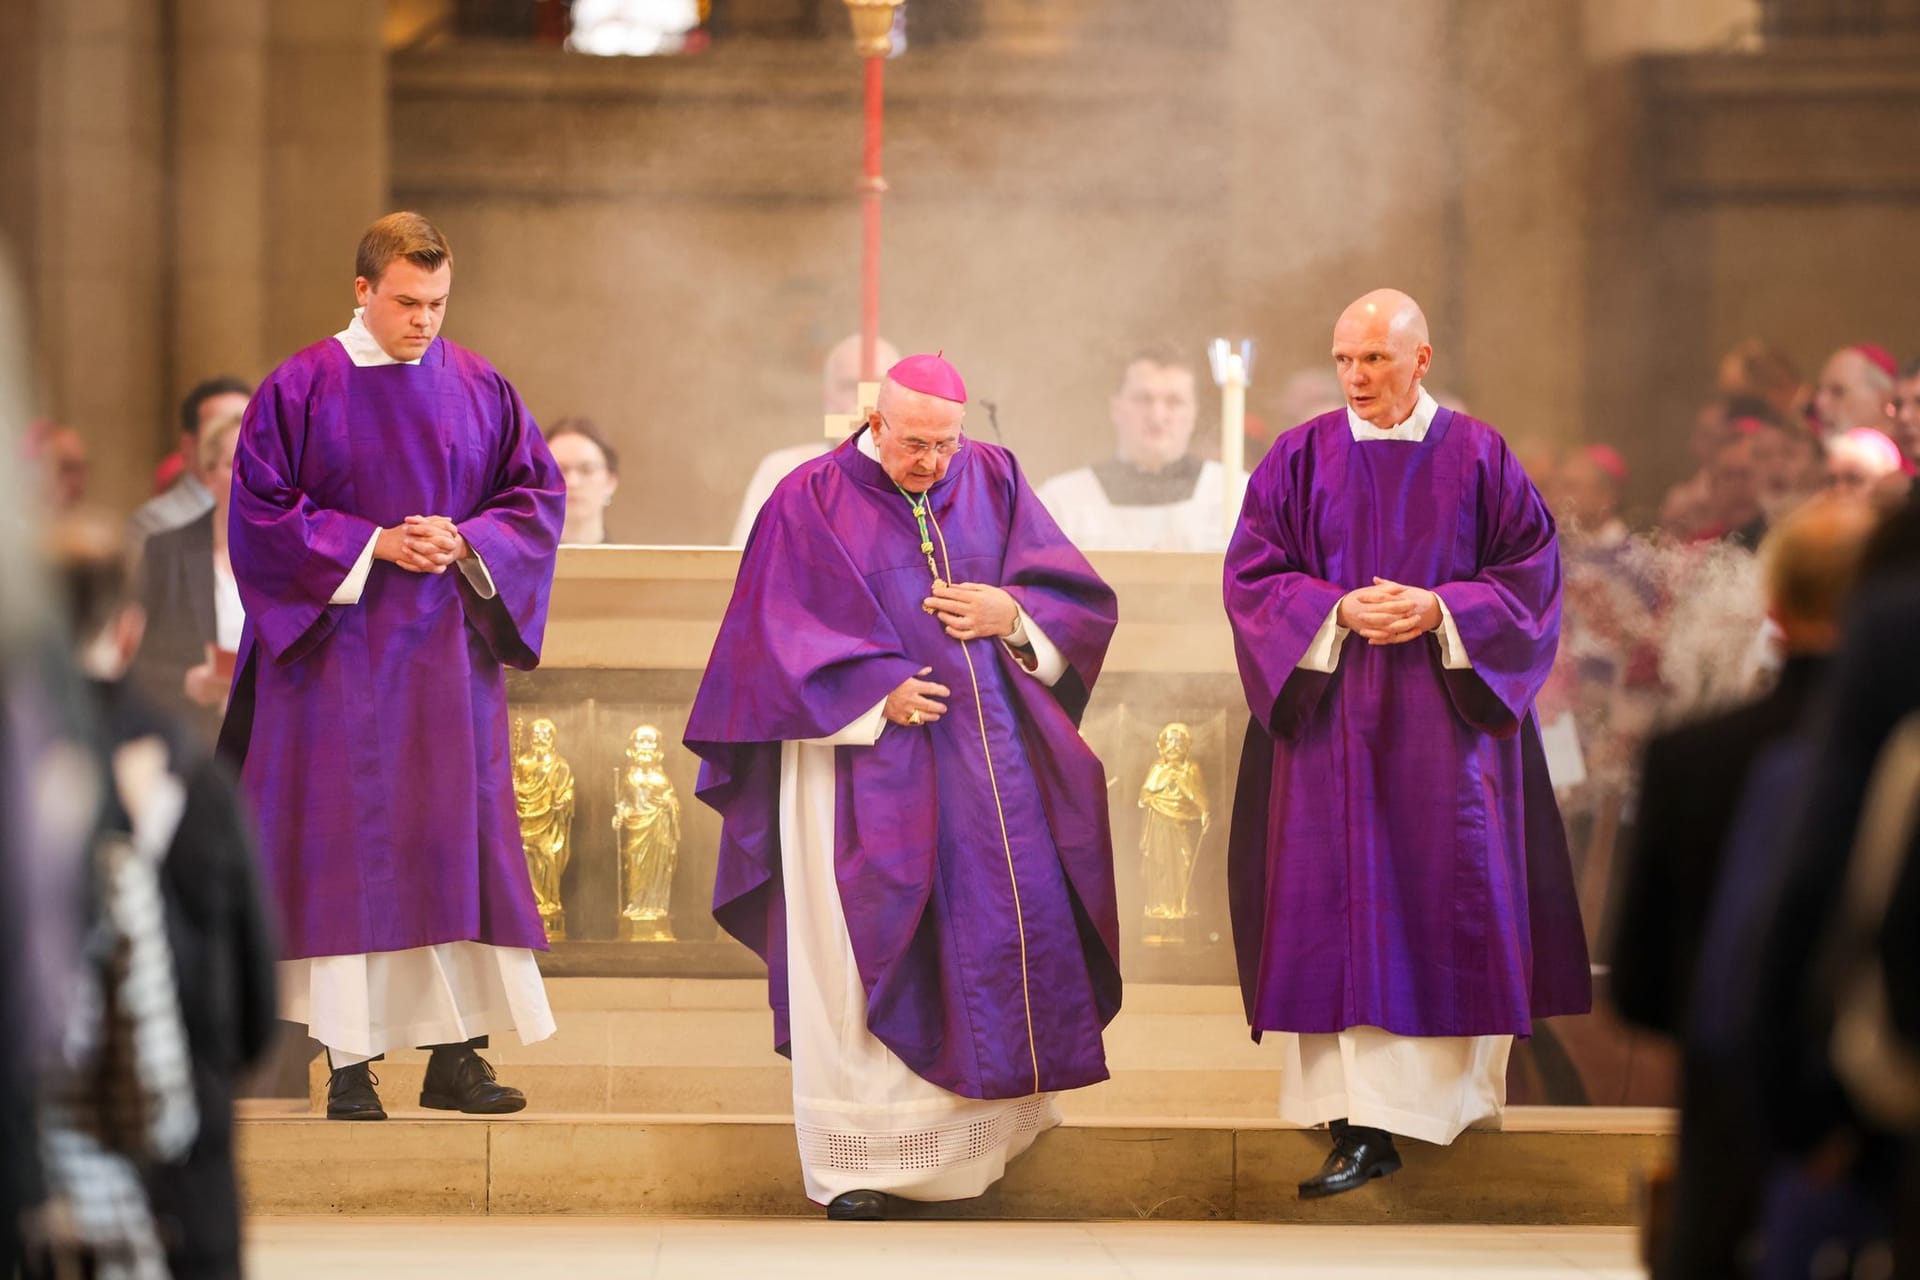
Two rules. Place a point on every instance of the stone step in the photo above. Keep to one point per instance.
(705, 1047)
(1548, 1166)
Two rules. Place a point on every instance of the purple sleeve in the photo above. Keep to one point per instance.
(1049, 578)
(1275, 606)
(516, 534)
(289, 554)
(1508, 613)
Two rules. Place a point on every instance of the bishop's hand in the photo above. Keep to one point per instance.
(915, 701)
(437, 539)
(972, 610)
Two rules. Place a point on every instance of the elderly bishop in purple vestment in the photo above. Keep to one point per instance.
(394, 524)
(914, 835)
(1402, 897)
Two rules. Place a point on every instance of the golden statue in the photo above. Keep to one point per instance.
(1175, 798)
(646, 821)
(543, 795)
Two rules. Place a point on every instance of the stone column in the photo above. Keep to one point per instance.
(99, 269)
(326, 162)
(223, 278)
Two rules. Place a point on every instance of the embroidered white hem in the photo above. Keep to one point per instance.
(864, 1121)
(360, 1006)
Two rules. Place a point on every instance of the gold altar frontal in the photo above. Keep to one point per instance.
(628, 635)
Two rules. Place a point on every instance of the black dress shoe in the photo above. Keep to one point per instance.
(458, 1079)
(350, 1094)
(858, 1206)
(1359, 1156)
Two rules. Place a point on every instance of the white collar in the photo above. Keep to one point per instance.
(362, 347)
(1414, 428)
(864, 443)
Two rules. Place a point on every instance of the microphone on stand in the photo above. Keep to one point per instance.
(993, 420)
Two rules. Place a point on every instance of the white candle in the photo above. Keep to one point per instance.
(1233, 437)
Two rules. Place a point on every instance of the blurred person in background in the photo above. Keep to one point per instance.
(839, 395)
(61, 456)
(1153, 493)
(1866, 465)
(1733, 495)
(1854, 389)
(1788, 456)
(191, 602)
(1757, 369)
(185, 495)
(1904, 410)
(591, 468)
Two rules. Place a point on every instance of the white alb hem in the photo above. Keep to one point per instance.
(361, 1006)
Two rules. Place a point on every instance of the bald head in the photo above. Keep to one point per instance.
(1811, 558)
(840, 376)
(1380, 353)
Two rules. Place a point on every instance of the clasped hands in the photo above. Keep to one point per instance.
(422, 544)
(1389, 613)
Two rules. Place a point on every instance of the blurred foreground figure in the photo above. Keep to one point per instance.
(222, 958)
(914, 836)
(1153, 494)
(395, 519)
(119, 1096)
(1403, 904)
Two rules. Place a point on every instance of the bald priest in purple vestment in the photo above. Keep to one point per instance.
(394, 522)
(1401, 893)
(914, 834)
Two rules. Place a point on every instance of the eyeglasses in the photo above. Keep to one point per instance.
(916, 448)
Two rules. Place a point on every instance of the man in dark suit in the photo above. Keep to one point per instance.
(1695, 782)
(1692, 776)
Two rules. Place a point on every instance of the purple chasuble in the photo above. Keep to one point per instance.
(1397, 859)
(374, 735)
(973, 856)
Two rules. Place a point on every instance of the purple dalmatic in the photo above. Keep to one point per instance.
(1397, 859)
(375, 734)
(973, 856)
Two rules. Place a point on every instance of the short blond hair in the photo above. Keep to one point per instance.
(212, 437)
(400, 235)
(1812, 557)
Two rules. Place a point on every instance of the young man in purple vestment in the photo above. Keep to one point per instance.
(394, 521)
(914, 835)
(1402, 898)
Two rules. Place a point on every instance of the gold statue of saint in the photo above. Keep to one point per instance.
(1175, 798)
(646, 821)
(543, 796)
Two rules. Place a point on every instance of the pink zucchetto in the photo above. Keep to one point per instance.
(1879, 357)
(930, 376)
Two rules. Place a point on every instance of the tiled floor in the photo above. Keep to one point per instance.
(681, 1249)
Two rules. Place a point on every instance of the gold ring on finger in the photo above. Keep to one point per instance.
(913, 717)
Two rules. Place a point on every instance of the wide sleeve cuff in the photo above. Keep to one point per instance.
(350, 588)
(1453, 650)
(1323, 655)
(474, 570)
(1049, 664)
(863, 732)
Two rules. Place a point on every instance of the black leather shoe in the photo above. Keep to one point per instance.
(350, 1094)
(1359, 1156)
(458, 1079)
(858, 1206)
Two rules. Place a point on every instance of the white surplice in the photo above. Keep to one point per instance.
(1425, 1087)
(1092, 521)
(863, 1119)
(360, 1006)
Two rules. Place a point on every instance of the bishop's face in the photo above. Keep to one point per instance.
(404, 307)
(917, 439)
(1379, 369)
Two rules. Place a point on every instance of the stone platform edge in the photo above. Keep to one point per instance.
(1541, 1170)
